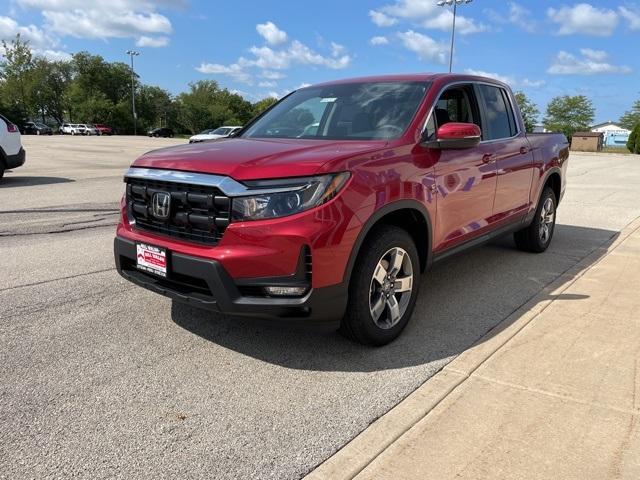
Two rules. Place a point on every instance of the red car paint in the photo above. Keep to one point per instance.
(466, 193)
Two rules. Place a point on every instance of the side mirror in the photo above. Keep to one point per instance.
(453, 135)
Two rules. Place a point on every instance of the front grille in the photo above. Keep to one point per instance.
(197, 213)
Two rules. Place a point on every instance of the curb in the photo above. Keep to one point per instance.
(356, 455)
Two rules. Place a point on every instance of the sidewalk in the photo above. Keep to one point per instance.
(555, 394)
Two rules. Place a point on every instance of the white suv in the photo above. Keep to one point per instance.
(72, 129)
(11, 152)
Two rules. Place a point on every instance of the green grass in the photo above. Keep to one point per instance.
(616, 150)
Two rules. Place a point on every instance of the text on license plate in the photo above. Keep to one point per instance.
(151, 259)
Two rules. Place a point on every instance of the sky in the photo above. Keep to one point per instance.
(268, 48)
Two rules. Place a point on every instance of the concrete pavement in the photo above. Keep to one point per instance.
(102, 379)
(553, 392)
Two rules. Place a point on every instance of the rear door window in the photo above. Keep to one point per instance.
(499, 118)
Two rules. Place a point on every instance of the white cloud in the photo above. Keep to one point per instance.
(337, 49)
(271, 33)
(481, 73)
(592, 62)
(512, 81)
(584, 19)
(270, 59)
(268, 84)
(101, 24)
(522, 17)
(9, 28)
(379, 41)
(41, 43)
(381, 20)
(425, 14)
(152, 42)
(533, 83)
(632, 16)
(426, 47)
(103, 20)
(271, 75)
(235, 70)
(53, 55)
(296, 53)
(303, 85)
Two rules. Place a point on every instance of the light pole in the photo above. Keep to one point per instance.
(133, 53)
(455, 4)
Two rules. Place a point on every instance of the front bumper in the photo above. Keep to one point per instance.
(206, 284)
(17, 160)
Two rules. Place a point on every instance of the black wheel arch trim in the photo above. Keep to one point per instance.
(548, 173)
(379, 215)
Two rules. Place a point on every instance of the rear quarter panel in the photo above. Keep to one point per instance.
(550, 154)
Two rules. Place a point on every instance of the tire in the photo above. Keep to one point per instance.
(536, 238)
(370, 285)
(1, 170)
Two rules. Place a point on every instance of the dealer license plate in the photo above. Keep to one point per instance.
(151, 259)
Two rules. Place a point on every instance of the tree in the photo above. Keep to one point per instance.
(569, 114)
(262, 105)
(631, 118)
(51, 81)
(529, 111)
(633, 144)
(154, 107)
(16, 77)
(206, 105)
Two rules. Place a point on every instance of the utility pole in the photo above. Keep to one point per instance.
(455, 4)
(133, 53)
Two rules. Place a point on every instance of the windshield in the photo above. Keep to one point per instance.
(221, 131)
(204, 132)
(350, 111)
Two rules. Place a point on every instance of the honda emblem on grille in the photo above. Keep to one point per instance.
(161, 205)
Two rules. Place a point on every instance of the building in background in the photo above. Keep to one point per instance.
(587, 141)
(614, 134)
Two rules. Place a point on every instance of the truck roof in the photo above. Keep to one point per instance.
(412, 77)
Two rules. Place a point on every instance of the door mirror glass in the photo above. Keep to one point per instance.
(454, 135)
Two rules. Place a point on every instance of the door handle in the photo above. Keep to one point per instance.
(524, 150)
(488, 158)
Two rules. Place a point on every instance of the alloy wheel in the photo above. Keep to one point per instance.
(391, 288)
(547, 219)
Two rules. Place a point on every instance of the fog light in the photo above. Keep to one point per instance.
(286, 291)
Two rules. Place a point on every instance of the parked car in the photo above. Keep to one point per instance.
(72, 129)
(104, 129)
(90, 129)
(161, 132)
(336, 229)
(12, 154)
(213, 134)
(35, 128)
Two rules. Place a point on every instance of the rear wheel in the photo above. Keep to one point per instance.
(1, 170)
(383, 288)
(537, 237)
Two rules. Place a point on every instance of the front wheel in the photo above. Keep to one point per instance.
(383, 287)
(537, 236)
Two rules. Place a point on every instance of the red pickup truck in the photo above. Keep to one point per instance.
(328, 208)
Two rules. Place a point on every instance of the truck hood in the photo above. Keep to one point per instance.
(250, 159)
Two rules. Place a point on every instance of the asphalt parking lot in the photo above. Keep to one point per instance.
(102, 379)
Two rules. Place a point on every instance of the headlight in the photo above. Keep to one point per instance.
(286, 197)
